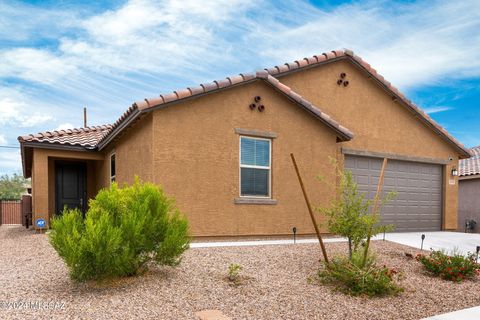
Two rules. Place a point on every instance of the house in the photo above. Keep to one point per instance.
(469, 190)
(222, 149)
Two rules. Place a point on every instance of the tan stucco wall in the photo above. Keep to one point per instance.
(196, 160)
(133, 153)
(379, 123)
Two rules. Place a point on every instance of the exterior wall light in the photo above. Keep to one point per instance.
(454, 172)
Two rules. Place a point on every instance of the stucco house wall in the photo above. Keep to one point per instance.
(380, 123)
(196, 159)
(189, 144)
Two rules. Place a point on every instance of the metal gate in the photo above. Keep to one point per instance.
(10, 212)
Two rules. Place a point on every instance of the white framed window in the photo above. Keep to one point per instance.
(255, 167)
(112, 168)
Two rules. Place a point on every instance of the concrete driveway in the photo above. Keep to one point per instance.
(465, 314)
(448, 241)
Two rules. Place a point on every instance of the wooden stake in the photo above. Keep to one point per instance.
(324, 252)
(375, 208)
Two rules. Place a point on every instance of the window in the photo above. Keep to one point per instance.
(255, 162)
(112, 168)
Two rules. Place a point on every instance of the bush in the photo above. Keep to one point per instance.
(348, 276)
(453, 268)
(124, 229)
(349, 214)
(234, 273)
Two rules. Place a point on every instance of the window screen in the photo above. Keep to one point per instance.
(254, 167)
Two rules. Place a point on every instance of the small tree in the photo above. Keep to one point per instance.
(349, 217)
(12, 187)
(124, 229)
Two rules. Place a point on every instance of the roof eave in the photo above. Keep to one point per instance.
(464, 153)
(22, 155)
(58, 146)
(118, 129)
(469, 176)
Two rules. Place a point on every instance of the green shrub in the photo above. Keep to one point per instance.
(234, 273)
(349, 214)
(123, 230)
(348, 276)
(456, 267)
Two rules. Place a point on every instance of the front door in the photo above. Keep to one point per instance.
(70, 186)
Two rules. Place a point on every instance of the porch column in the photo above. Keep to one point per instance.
(40, 188)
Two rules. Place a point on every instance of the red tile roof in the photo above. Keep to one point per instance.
(141, 107)
(164, 100)
(471, 166)
(84, 137)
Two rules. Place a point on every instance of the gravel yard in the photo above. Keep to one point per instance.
(277, 286)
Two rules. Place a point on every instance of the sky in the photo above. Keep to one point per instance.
(57, 57)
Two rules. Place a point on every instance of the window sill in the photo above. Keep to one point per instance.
(247, 200)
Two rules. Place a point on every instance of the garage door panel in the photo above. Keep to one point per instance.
(418, 205)
(362, 180)
(389, 182)
(363, 164)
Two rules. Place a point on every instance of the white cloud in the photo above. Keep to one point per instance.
(18, 113)
(438, 109)
(417, 43)
(411, 44)
(34, 65)
(3, 140)
(21, 22)
(65, 126)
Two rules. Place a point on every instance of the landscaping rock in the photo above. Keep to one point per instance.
(32, 274)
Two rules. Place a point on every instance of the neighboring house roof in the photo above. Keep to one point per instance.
(82, 137)
(99, 137)
(471, 166)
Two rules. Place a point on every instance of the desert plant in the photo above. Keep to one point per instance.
(348, 215)
(350, 276)
(455, 267)
(123, 230)
(234, 273)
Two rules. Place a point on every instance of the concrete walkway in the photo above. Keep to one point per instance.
(465, 314)
(214, 244)
(448, 241)
(440, 240)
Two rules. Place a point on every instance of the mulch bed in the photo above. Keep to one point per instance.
(277, 287)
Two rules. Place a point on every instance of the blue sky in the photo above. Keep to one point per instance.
(58, 56)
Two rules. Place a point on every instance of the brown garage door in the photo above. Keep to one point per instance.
(418, 205)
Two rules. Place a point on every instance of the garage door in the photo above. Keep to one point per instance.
(418, 205)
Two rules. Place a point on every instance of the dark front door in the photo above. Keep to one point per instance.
(70, 186)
